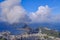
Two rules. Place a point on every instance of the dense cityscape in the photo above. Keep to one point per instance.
(30, 34)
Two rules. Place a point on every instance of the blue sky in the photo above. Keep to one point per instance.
(32, 5)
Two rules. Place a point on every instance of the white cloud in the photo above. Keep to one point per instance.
(44, 14)
(41, 15)
(15, 14)
(12, 11)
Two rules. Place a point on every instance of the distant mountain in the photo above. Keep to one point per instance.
(55, 26)
(4, 26)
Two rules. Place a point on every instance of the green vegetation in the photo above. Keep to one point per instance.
(49, 32)
(45, 37)
(3, 38)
